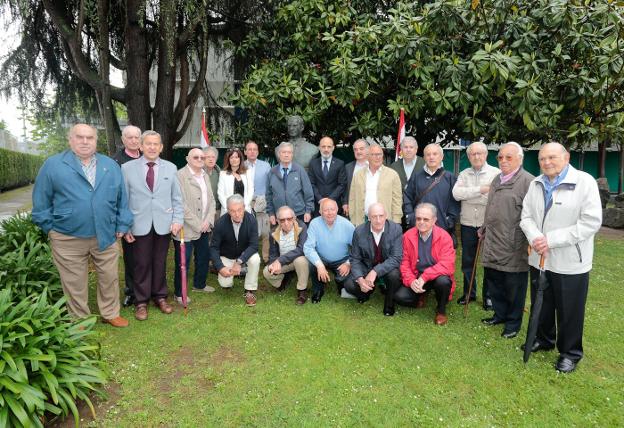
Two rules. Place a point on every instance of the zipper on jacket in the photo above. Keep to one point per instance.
(578, 250)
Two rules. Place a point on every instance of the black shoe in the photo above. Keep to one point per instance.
(128, 301)
(316, 297)
(565, 365)
(509, 335)
(462, 300)
(363, 299)
(537, 347)
(388, 312)
(491, 321)
(487, 305)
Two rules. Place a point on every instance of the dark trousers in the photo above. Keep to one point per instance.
(392, 282)
(508, 292)
(201, 248)
(318, 287)
(469, 242)
(150, 266)
(441, 286)
(128, 259)
(564, 300)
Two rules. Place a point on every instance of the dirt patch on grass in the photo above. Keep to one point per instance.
(101, 406)
(608, 233)
(224, 355)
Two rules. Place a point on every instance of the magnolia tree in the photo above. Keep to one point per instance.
(501, 70)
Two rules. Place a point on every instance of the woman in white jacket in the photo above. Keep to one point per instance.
(233, 179)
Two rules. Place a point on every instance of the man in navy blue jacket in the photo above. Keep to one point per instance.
(80, 201)
(234, 243)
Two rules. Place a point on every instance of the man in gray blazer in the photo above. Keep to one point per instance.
(155, 199)
(409, 163)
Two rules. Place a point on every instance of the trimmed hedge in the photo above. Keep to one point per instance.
(18, 169)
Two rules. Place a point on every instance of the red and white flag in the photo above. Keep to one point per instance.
(205, 139)
(401, 135)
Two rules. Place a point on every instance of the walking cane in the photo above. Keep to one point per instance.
(472, 276)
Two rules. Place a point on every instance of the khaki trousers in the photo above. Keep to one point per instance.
(251, 279)
(300, 265)
(264, 228)
(71, 257)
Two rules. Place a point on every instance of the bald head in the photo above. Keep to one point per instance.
(553, 159)
(377, 216)
(195, 160)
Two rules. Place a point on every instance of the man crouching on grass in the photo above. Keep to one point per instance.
(428, 263)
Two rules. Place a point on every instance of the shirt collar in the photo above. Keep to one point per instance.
(428, 171)
(425, 237)
(558, 179)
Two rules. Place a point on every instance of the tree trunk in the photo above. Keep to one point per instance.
(104, 94)
(165, 88)
(621, 172)
(137, 67)
(602, 159)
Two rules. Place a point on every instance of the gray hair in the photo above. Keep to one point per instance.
(212, 149)
(376, 205)
(435, 145)
(429, 206)
(517, 146)
(149, 133)
(235, 199)
(129, 128)
(410, 139)
(475, 145)
(285, 208)
(361, 140)
(283, 145)
(372, 145)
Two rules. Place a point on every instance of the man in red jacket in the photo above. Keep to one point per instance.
(428, 263)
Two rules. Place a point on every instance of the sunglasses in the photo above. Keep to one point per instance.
(283, 220)
(507, 157)
(198, 157)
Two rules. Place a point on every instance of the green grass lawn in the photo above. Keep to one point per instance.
(340, 363)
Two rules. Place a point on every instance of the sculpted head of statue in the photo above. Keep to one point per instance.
(295, 126)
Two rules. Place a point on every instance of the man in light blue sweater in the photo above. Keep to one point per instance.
(327, 248)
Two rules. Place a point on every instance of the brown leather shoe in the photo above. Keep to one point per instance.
(140, 312)
(164, 307)
(250, 298)
(302, 297)
(440, 319)
(117, 322)
(422, 301)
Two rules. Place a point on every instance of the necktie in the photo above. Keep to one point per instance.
(325, 168)
(285, 174)
(150, 176)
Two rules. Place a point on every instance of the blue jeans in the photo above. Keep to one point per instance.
(200, 247)
(469, 242)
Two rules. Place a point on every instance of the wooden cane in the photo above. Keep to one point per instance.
(472, 276)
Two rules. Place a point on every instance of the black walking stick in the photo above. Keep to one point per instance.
(536, 309)
(472, 277)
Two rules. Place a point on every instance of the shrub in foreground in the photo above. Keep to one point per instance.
(47, 361)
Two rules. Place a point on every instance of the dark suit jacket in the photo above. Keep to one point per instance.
(331, 186)
(362, 252)
(398, 167)
(349, 168)
(224, 243)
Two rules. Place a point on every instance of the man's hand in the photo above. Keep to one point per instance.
(119, 234)
(322, 274)
(371, 277)
(485, 190)
(175, 228)
(235, 269)
(272, 220)
(417, 285)
(345, 209)
(540, 245)
(129, 237)
(307, 217)
(225, 272)
(344, 269)
(205, 227)
(480, 233)
(275, 268)
(364, 284)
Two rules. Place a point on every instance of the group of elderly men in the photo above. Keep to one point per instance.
(371, 226)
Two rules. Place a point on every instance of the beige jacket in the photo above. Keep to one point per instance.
(192, 201)
(389, 194)
(467, 190)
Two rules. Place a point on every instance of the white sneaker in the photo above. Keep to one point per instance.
(206, 289)
(346, 295)
(179, 299)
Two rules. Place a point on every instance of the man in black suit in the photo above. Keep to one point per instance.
(327, 174)
(360, 152)
(234, 243)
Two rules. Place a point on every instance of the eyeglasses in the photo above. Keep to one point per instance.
(506, 157)
(375, 154)
(198, 157)
(423, 219)
(477, 154)
(284, 220)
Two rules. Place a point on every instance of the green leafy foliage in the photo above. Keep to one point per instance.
(26, 265)
(497, 69)
(17, 169)
(47, 361)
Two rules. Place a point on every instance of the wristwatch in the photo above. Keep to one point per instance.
(239, 261)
